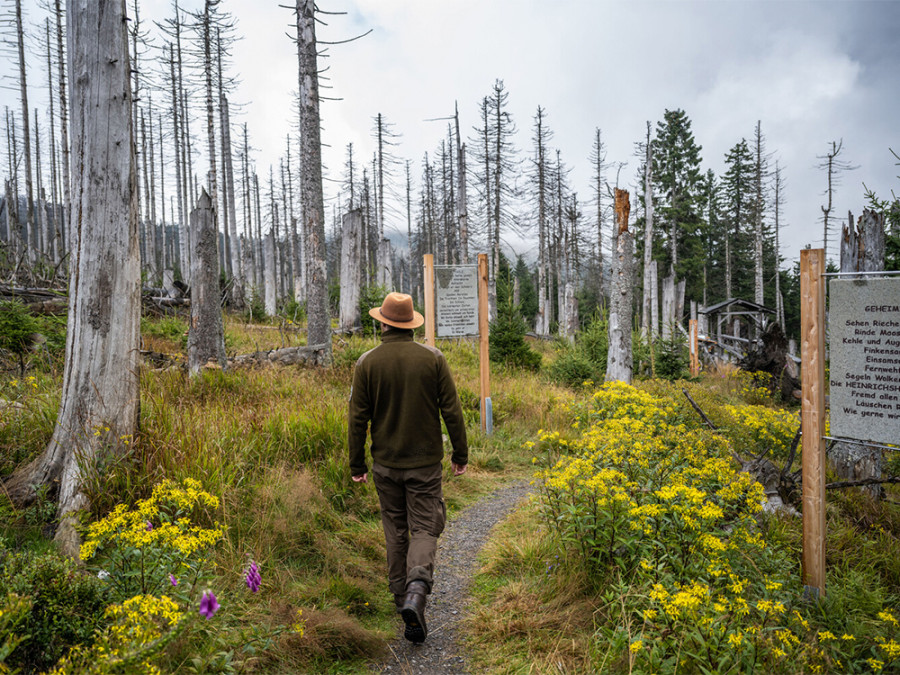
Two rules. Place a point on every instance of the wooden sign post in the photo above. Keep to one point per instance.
(695, 346)
(487, 418)
(453, 306)
(429, 299)
(812, 416)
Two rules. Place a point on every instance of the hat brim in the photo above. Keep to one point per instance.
(416, 321)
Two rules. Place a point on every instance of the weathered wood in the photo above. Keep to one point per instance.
(271, 288)
(862, 250)
(351, 270)
(648, 236)
(100, 395)
(812, 335)
(428, 277)
(206, 334)
(484, 361)
(312, 355)
(668, 306)
(619, 356)
(312, 200)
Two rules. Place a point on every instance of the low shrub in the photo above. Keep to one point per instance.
(67, 606)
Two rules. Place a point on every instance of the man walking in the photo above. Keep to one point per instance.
(403, 389)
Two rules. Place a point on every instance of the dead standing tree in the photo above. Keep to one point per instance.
(619, 357)
(206, 336)
(100, 395)
(862, 250)
(311, 197)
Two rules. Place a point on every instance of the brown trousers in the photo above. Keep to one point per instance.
(413, 514)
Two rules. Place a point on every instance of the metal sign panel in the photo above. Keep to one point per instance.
(864, 344)
(456, 300)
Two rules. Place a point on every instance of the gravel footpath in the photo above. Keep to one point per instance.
(442, 653)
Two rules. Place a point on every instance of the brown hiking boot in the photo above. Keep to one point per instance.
(398, 600)
(413, 612)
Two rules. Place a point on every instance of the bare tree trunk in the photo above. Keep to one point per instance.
(238, 271)
(351, 270)
(64, 121)
(312, 206)
(271, 282)
(56, 235)
(30, 232)
(100, 396)
(779, 301)
(619, 356)
(654, 299)
(648, 238)
(206, 336)
(668, 306)
(862, 250)
(462, 203)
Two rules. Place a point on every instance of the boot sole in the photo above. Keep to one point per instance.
(415, 625)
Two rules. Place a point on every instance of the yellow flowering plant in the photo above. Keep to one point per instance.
(159, 542)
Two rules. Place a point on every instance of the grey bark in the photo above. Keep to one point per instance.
(238, 270)
(862, 250)
(462, 203)
(30, 232)
(206, 334)
(271, 282)
(312, 206)
(100, 394)
(351, 270)
(648, 238)
(668, 306)
(63, 120)
(619, 356)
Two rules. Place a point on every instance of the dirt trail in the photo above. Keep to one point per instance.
(443, 653)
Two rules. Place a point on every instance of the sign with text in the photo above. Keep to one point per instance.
(456, 300)
(864, 330)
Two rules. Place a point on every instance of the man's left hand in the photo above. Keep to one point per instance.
(362, 478)
(458, 469)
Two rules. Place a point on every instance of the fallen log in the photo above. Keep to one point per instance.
(311, 355)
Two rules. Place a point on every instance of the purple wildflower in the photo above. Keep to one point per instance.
(208, 604)
(173, 579)
(253, 577)
(149, 526)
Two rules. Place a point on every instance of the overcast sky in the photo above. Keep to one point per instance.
(812, 72)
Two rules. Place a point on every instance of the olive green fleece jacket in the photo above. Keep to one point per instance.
(404, 388)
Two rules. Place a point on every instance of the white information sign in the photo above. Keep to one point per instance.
(864, 342)
(456, 300)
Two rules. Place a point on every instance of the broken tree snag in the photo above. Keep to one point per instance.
(206, 334)
(771, 355)
(862, 250)
(619, 356)
(351, 269)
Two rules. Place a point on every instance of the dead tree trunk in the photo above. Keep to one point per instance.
(312, 200)
(100, 396)
(619, 357)
(648, 239)
(351, 269)
(862, 250)
(271, 281)
(206, 335)
(30, 232)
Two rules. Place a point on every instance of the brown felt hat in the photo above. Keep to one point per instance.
(397, 311)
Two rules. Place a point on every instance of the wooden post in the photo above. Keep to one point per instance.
(428, 282)
(812, 354)
(483, 344)
(695, 345)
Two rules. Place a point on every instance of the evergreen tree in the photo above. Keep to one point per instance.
(738, 197)
(677, 182)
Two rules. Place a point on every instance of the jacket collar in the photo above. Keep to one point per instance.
(397, 336)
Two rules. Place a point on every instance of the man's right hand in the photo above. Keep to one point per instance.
(362, 478)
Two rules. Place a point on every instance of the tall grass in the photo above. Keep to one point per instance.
(270, 442)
